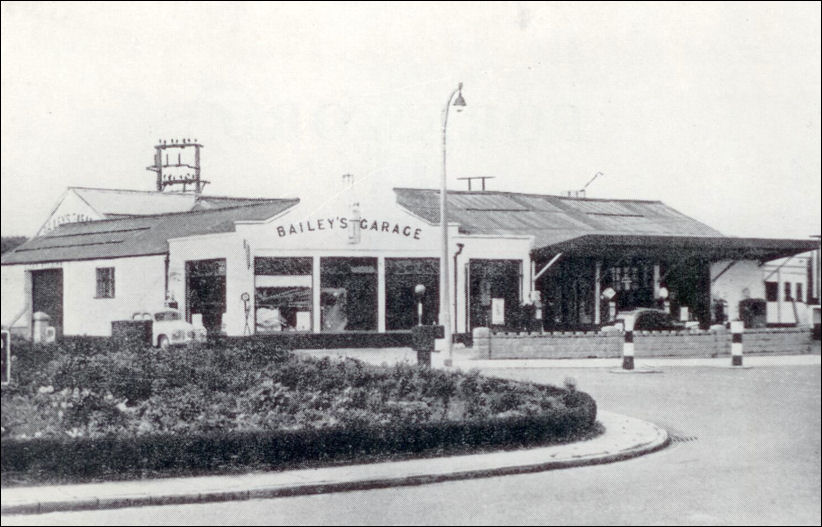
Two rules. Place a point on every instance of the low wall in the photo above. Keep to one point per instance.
(581, 345)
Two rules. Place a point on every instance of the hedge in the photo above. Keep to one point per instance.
(89, 408)
(94, 457)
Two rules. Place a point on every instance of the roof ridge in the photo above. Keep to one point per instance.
(198, 211)
(164, 193)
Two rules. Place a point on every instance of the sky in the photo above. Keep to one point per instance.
(712, 108)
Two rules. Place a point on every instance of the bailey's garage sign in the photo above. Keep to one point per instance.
(342, 223)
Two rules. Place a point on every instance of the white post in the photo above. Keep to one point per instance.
(628, 344)
(381, 294)
(737, 329)
(316, 313)
(597, 292)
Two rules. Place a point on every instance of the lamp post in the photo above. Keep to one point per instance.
(445, 301)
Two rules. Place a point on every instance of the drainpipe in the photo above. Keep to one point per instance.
(460, 246)
(165, 295)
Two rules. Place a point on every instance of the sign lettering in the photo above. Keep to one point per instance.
(340, 223)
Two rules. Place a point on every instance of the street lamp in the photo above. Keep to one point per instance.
(445, 301)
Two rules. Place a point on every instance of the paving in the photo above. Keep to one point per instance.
(624, 437)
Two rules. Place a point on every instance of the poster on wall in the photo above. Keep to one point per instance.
(498, 311)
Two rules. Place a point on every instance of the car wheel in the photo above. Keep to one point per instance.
(163, 343)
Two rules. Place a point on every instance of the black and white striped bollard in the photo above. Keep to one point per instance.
(628, 345)
(736, 342)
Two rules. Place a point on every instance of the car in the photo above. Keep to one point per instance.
(170, 328)
(650, 320)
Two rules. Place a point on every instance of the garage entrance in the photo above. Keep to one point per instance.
(205, 292)
(47, 296)
(494, 292)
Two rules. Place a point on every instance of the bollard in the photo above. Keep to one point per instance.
(422, 338)
(736, 342)
(628, 344)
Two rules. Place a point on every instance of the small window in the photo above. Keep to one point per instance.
(105, 282)
(799, 292)
(788, 292)
(771, 291)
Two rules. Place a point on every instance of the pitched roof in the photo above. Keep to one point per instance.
(114, 203)
(592, 226)
(551, 219)
(137, 235)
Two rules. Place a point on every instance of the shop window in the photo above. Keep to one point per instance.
(771, 291)
(282, 266)
(348, 297)
(283, 295)
(787, 286)
(283, 309)
(105, 282)
(402, 275)
(799, 292)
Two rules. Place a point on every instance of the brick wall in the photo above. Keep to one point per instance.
(581, 345)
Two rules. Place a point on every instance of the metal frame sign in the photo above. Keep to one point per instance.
(5, 357)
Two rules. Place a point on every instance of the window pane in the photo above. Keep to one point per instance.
(282, 266)
(348, 298)
(402, 275)
(771, 291)
(283, 309)
(105, 282)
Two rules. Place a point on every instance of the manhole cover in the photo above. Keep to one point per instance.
(678, 438)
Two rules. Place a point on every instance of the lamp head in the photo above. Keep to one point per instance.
(459, 102)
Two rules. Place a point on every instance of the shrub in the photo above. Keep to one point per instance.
(247, 403)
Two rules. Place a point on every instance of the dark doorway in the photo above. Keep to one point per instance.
(494, 292)
(205, 292)
(47, 296)
(689, 285)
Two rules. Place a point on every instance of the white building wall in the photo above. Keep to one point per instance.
(793, 271)
(742, 280)
(15, 292)
(487, 248)
(239, 273)
(139, 286)
(70, 209)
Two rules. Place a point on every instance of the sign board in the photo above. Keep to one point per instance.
(6, 357)
(497, 311)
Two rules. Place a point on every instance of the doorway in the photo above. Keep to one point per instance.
(205, 292)
(47, 296)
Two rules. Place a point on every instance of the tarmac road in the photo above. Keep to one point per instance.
(746, 451)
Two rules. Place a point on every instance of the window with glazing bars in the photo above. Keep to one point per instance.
(105, 282)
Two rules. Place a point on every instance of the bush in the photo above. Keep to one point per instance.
(95, 407)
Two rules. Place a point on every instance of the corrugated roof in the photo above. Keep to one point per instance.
(551, 219)
(115, 203)
(139, 235)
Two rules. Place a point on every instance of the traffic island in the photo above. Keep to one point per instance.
(623, 438)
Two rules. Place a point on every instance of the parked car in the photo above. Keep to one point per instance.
(649, 319)
(170, 328)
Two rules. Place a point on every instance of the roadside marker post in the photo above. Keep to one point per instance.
(628, 344)
(5, 339)
(737, 328)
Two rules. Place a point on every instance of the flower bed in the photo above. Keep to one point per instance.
(89, 409)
